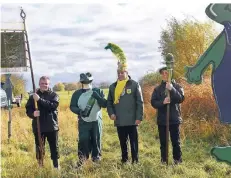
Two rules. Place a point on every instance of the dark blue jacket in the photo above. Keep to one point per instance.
(176, 96)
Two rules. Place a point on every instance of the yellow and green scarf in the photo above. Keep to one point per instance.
(119, 89)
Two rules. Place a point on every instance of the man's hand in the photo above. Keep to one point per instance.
(36, 113)
(113, 117)
(82, 114)
(36, 97)
(169, 86)
(138, 122)
(95, 95)
(166, 100)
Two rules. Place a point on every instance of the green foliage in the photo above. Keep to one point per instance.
(18, 82)
(104, 85)
(71, 86)
(150, 79)
(59, 87)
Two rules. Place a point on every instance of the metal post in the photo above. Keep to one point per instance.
(8, 86)
(23, 16)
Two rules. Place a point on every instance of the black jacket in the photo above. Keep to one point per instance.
(47, 105)
(176, 96)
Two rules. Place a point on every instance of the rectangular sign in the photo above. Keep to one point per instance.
(13, 53)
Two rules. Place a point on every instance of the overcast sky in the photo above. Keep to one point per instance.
(68, 39)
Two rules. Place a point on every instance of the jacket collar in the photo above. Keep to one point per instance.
(45, 92)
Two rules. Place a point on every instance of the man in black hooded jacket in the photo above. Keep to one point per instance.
(159, 101)
(47, 112)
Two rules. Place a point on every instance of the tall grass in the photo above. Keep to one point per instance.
(18, 156)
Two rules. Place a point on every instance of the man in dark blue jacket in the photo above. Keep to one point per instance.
(47, 112)
(159, 101)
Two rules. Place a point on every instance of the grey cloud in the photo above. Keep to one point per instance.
(77, 31)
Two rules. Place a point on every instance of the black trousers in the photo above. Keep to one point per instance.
(52, 138)
(175, 139)
(125, 132)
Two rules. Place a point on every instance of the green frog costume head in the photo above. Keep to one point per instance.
(86, 80)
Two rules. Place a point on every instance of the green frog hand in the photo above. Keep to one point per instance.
(192, 75)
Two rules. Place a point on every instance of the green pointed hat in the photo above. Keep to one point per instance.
(118, 52)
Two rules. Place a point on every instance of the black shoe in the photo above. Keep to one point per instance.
(177, 161)
(135, 161)
(55, 163)
(96, 159)
(123, 161)
(163, 161)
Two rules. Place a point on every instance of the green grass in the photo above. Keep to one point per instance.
(65, 97)
(18, 156)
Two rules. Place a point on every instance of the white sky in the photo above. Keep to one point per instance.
(68, 38)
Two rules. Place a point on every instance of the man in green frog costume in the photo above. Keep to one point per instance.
(87, 103)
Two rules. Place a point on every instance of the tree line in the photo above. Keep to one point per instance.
(186, 39)
(76, 85)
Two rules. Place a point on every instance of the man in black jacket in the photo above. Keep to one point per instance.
(159, 101)
(47, 112)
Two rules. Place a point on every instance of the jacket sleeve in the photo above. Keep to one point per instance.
(154, 100)
(100, 98)
(110, 106)
(51, 104)
(177, 94)
(73, 105)
(139, 104)
(30, 108)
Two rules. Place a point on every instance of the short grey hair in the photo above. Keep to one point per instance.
(44, 78)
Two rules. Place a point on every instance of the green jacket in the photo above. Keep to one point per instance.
(130, 107)
(79, 101)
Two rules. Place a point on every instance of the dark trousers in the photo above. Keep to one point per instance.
(125, 132)
(90, 134)
(52, 138)
(175, 139)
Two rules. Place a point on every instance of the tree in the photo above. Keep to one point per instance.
(71, 86)
(150, 79)
(59, 87)
(104, 85)
(18, 82)
(186, 40)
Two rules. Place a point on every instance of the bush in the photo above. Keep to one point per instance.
(59, 87)
(19, 84)
(150, 79)
(199, 112)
